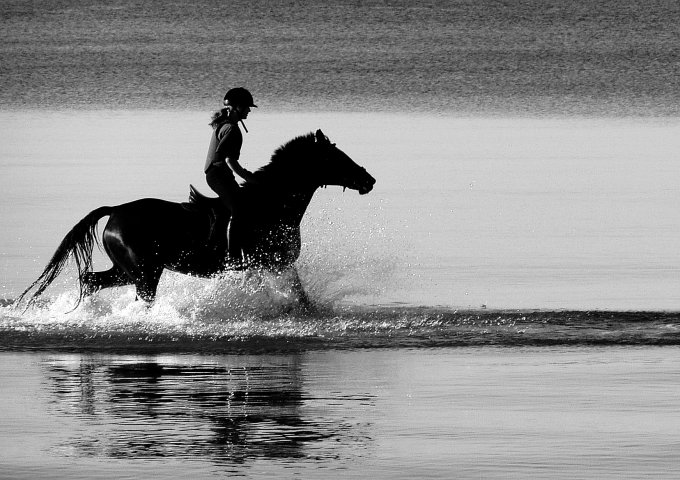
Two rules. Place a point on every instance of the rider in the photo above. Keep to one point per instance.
(222, 162)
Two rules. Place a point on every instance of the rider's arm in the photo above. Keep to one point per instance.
(229, 148)
(239, 170)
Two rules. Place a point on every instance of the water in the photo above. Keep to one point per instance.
(612, 57)
(504, 304)
(393, 413)
(508, 213)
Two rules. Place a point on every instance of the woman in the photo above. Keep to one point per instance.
(222, 163)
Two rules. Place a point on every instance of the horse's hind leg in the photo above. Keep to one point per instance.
(146, 283)
(144, 277)
(132, 269)
(95, 281)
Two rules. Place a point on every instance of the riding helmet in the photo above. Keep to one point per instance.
(239, 96)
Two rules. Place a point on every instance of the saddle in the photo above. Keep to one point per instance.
(218, 216)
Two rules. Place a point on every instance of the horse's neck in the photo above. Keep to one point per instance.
(286, 204)
(284, 188)
(298, 203)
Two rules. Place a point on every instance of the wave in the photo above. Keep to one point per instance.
(234, 314)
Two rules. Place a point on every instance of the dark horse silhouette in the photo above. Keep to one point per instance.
(144, 237)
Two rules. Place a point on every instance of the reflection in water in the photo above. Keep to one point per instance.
(227, 412)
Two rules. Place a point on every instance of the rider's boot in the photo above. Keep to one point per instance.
(235, 258)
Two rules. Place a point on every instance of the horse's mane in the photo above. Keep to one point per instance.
(283, 160)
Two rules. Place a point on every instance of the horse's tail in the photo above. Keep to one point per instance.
(77, 243)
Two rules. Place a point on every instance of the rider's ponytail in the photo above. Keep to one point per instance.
(220, 116)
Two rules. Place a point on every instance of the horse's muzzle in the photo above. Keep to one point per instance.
(361, 181)
(364, 184)
(363, 190)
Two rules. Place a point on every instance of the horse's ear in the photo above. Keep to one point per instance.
(320, 137)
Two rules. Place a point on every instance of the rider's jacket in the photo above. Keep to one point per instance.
(225, 141)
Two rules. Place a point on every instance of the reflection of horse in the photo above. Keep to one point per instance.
(144, 237)
(230, 413)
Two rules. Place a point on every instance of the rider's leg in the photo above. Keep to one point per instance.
(223, 183)
(234, 236)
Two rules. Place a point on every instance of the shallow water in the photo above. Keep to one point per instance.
(506, 213)
(395, 413)
(460, 303)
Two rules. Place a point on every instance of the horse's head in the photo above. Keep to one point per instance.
(312, 161)
(334, 167)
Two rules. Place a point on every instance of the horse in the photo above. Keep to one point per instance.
(144, 237)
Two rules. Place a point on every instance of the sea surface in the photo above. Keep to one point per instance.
(467, 212)
(504, 304)
(592, 57)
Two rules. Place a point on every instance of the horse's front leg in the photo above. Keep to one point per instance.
(252, 279)
(302, 297)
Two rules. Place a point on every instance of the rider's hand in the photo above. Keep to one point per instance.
(251, 178)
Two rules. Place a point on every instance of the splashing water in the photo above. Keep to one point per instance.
(234, 307)
(231, 314)
(348, 282)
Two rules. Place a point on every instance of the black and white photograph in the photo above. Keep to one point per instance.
(383, 239)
